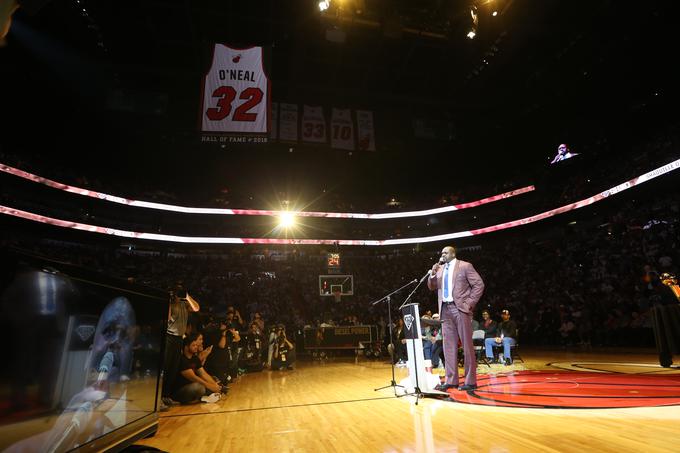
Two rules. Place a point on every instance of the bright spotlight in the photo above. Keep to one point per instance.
(324, 4)
(494, 14)
(286, 219)
(471, 34)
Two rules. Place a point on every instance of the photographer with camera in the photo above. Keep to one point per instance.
(181, 303)
(223, 362)
(237, 321)
(282, 358)
(254, 348)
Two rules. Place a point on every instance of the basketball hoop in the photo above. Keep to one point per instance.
(337, 295)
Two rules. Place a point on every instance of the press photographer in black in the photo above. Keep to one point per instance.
(221, 362)
(283, 358)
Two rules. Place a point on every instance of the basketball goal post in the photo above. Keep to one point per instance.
(336, 286)
(336, 290)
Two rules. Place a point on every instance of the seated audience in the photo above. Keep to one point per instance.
(506, 336)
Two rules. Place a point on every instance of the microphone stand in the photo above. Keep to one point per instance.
(415, 289)
(388, 298)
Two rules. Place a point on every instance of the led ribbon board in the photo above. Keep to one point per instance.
(224, 240)
(190, 210)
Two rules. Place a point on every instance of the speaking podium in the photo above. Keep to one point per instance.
(421, 381)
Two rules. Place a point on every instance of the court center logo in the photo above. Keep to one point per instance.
(408, 320)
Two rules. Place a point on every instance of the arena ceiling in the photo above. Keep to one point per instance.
(111, 88)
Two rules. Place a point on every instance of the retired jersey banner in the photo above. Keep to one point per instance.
(274, 131)
(313, 125)
(288, 122)
(236, 93)
(342, 129)
(365, 131)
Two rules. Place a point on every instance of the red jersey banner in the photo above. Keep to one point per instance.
(236, 93)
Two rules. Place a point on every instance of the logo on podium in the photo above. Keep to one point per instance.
(408, 320)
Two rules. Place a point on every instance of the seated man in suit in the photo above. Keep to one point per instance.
(506, 335)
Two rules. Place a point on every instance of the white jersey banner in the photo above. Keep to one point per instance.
(236, 92)
(313, 125)
(288, 122)
(342, 129)
(365, 131)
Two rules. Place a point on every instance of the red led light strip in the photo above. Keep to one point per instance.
(442, 237)
(190, 210)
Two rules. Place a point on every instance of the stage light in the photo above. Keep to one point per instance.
(286, 219)
(474, 15)
(324, 5)
(494, 14)
(475, 22)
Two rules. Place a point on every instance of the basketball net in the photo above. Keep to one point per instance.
(337, 295)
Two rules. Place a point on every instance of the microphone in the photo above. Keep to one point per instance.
(441, 262)
(105, 366)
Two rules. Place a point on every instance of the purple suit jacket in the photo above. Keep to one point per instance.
(467, 288)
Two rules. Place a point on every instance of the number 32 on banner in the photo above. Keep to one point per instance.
(225, 97)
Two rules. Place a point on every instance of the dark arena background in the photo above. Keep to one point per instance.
(205, 206)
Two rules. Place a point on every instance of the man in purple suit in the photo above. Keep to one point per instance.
(459, 288)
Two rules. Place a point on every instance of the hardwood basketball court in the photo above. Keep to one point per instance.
(331, 406)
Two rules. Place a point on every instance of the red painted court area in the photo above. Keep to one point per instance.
(572, 390)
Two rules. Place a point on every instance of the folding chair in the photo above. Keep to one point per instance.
(478, 341)
(514, 354)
